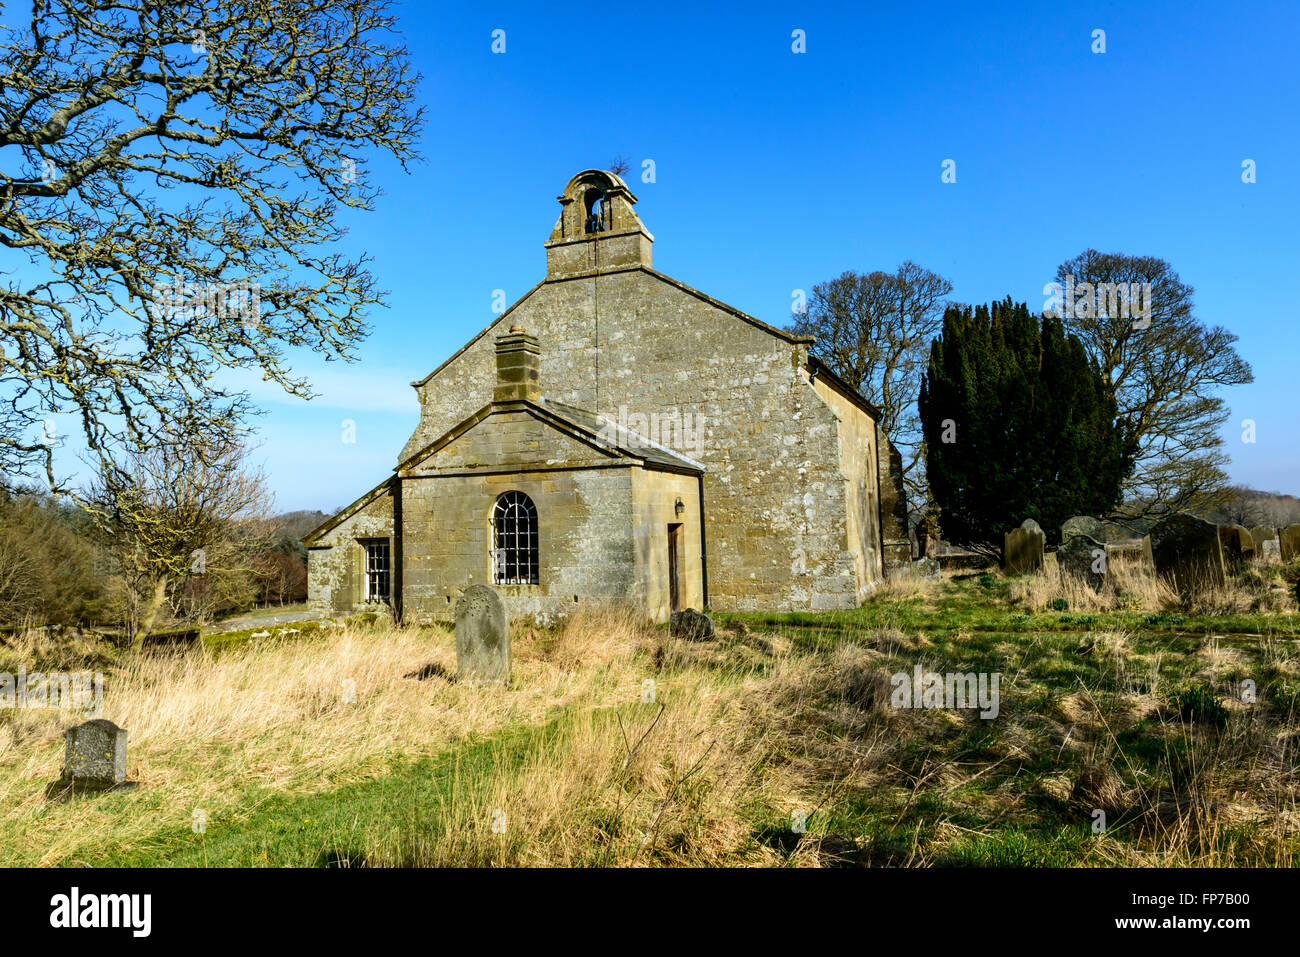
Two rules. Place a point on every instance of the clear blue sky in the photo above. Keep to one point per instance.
(777, 170)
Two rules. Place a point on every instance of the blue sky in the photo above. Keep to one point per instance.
(776, 170)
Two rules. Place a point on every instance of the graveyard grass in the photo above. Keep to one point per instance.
(1129, 703)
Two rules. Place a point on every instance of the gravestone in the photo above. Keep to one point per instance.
(1022, 549)
(482, 636)
(1231, 548)
(1271, 552)
(1083, 525)
(1238, 546)
(1187, 551)
(1259, 535)
(1084, 558)
(927, 568)
(1247, 543)
(1289, 542)
(690, 624)
(94, 755)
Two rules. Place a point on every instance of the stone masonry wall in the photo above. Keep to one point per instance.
(776, 490)
(335, 565)
(594, 538)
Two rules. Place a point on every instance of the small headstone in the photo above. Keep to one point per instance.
(1289, 542)
(927, 568)
(94, 755)
(1023, 548)
(1188, 551)
(482, 636)
(1272, 551)
(1231, 548)
(1259, 535)
(1238, 546)
(1084, 558)
(1083, 525)
(690, 624)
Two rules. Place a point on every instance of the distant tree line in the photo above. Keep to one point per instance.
(61, 564)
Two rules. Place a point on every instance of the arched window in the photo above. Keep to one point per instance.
(514, 538)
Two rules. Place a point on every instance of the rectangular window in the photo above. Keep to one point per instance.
(377, 565)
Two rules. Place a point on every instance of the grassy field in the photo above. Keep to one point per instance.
(775, 744)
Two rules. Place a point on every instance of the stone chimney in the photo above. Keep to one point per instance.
(518, 367)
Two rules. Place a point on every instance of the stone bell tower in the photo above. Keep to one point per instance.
(597, 231)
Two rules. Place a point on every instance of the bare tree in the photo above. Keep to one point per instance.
(619, 164)
(184, 520)
(874, 331)
(171, 174)
(1165, 368)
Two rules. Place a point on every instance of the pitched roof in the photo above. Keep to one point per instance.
(595, 430)
(345, 513)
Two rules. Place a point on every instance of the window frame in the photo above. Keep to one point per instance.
(371, 577)
(515, 551)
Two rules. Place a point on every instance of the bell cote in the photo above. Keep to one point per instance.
(598, 231)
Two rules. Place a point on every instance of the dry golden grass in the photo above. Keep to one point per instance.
(1134, 585)
(309, 716)
(616, 744)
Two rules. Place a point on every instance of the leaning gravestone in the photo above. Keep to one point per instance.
(1187, 550)
(1247, 543)
(1259, 535)
(1022, 549)
(1084, 558)
(1289, 542)
(1238, 546)
(482, 636)
(94, 756)
(1083, 525)
(690, 624)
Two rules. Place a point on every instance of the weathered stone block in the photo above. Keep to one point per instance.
(1238, 546)
(1259, 535)
(1023, 548)
(1084, 558)
(482, 636)
(1188, 552)
(691, 625)
(1289, 542)
(1083, 525)
(95, 755)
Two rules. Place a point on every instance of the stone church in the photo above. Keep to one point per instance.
(617, 436)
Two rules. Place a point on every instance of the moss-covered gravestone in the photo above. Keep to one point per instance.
(1023, 547)
(1188, 552)
(94, 756)
(1289, 542)
(1083, 525)
(482, 636)
(1238, 546)
(1084, 558)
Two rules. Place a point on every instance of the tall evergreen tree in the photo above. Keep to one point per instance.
(1018, 423)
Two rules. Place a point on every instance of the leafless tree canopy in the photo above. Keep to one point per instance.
(875, 331)
(1166, 378)
(193, 146)
(184, 520)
